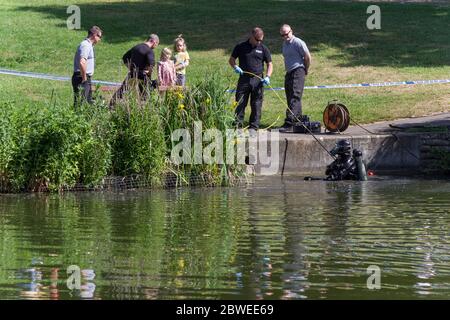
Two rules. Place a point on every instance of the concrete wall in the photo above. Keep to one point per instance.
(301, 154)
(433, 145)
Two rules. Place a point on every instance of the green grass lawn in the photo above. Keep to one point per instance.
(413, 44)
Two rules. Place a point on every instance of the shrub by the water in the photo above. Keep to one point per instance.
(53, 146)
(206, 102)
(139, 146)
(97, 152)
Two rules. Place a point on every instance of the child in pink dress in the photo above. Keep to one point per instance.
(166, 70)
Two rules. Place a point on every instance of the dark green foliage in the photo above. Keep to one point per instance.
(53, 146)
(139, 146)
(96, 158)
(206, 102)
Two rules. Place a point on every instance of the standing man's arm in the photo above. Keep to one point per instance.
(266, 80)
(232, 60)
(237, 69)
(268, 60)
(83, 67)
(303, 48)
(84, 55)
(269, 63)
(307, 61)
(269, 69)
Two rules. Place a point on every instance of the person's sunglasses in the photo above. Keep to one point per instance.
(285, 34)
(99, 35)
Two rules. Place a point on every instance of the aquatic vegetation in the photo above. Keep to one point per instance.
(53, 146)
(206, 102)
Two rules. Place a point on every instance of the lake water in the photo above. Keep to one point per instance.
(274, 239)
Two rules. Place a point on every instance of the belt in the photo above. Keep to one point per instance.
(252, 75)
(296, 69)
(78, 73)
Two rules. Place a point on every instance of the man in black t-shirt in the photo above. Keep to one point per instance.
(251, 54)
(140, 61)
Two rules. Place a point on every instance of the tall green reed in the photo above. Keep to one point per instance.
(51, 146)
(208, 102)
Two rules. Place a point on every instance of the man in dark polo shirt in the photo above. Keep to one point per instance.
(251, 54)
(140, 61)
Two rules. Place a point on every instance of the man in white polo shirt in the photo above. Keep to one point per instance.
(297, 60)
(83, 66)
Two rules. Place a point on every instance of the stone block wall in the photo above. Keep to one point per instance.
(435, 152)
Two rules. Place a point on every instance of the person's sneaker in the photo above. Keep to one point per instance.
(286, 128)
(253, 132)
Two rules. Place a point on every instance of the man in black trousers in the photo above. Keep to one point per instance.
(252, 55)
(140, 61)
(297, 60)
(83, 66)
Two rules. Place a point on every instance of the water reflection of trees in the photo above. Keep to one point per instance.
(201, 240)
(185, 243)
(296, 233)
(280, 239)
(135, 243)
(273, 262)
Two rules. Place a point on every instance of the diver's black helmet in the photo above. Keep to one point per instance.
(342, 147)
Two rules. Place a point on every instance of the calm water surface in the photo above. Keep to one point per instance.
(274, 239)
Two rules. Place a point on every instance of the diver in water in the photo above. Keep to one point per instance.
(348, 165)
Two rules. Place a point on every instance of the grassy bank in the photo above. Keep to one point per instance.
(412, 44)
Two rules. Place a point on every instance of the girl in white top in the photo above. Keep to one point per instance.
(181, 59)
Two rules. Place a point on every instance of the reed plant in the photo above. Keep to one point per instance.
(139, 146)
(46, 147)
(208, 103)
(54, 146)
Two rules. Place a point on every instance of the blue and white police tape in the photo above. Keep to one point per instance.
(50, 77)
(334, 86)
(365, 85)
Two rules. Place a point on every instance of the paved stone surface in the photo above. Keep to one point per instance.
(383, 127)
(393, 126)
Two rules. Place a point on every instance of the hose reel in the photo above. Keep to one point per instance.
(336, 117)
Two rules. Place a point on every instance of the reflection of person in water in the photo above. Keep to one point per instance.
(32, 288)
(275, 251)
(296, 267)
(305, 215)
(54, 292)
(256, 258)
(425, 270)
(342, 197)
(88, 288)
